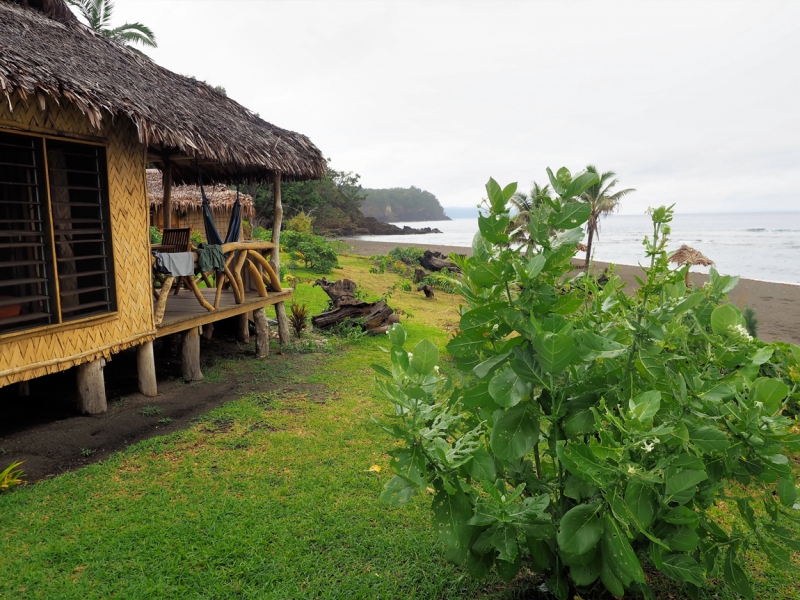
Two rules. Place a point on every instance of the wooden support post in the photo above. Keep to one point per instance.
(262, 333)
(208, 331)
(91, 388)
(191, 355)
(242, 328)
(24, 389)
(146, 365)
(166, 204)
(280, 309)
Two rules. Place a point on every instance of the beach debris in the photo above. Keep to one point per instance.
(428, 291)
(688, 256)
(582, 247)
(372, 317)
(436, 261)
(419, 275)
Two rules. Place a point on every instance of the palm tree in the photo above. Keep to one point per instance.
(524, 204)
(98, 16)
(603, 202)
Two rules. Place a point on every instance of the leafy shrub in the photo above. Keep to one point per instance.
(409, 256)
(155, 235)
(314, 251)
(594, 431)
(349, 329)
(284, 271)
(262, 235)
(301, 223)
(750, 321)
(11, 477)
(299, 318)
(196, 237)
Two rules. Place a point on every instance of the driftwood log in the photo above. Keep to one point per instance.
(436, 261)
(377, 315)
(428, 291)
(419, 275)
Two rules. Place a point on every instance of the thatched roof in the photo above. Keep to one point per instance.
(686, 255)
(582, 247)
(176, 116)
(187, 197)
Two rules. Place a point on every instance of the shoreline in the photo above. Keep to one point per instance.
(777, 305)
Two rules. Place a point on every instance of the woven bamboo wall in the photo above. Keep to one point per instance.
(24, 356)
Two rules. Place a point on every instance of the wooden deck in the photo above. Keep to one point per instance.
(184, 311)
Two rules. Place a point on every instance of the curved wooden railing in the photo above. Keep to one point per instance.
(241, 257)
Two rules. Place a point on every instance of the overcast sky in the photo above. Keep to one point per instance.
(689, 102)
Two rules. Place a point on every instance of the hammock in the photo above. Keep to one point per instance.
(234, 225)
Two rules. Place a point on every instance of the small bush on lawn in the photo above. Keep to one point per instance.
(314, 251)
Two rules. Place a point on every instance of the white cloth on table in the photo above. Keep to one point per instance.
(179, 264)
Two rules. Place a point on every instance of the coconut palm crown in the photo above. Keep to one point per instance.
(603, 201)
(525, 203)
(98, 13)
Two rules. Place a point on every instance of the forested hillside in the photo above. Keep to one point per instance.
(402, 204)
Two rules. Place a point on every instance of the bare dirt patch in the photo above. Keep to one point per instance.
(45, 431)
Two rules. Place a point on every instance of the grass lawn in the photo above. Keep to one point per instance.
(269, 496)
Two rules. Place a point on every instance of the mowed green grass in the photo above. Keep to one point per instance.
(269, 496)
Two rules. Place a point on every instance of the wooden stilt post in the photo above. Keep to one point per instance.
(191, 355)
(146, 365)
(280, 309)
(208, 331)
(91, 388)
(24, 389)
(262, 333)
(242, 328)
(166, 204)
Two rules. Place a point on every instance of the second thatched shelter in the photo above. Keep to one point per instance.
(688, 256)
(187, 205)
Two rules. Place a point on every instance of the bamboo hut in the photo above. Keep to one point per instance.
(187, 204)
(81, 116)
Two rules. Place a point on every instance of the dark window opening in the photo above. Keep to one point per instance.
(46, 277)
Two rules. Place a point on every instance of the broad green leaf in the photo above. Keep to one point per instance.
(580, 528)
(681, 515)
(507, 389)
(495, 195)
(480, 247)
(710, 440)
(486, 274)
(516, 432)
(580, 184)
(504, 541)
(682, 567)
(584, 575)
(618, 552)
(450, 515)
(410, 464)
(610, 580)
(736, 577)
(652, 366)
(475, 322)
(583, 464)
(684, 480)
(778, 556)
(478, 397)
(493, 228)
(481, 467)
(784, 536)
(724, 317)
(682, 538)
(397, 491)
(508, 570)
(399, 358)
(592, 346)
(787, 492)
(461, 346)
(426, 355)
(525, 365)
(397, 335)
(640, 501)
(554, 351)
(382, 370)
(535, 265)
(561, 181)
(481, 370)
(770, 392)
(572, 215)
(645, 406)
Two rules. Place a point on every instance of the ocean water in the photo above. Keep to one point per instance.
(762, 246)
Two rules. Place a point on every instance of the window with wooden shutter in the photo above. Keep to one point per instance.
(55, 240)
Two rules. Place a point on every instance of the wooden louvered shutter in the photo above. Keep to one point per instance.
(81, 228)
(26, 275)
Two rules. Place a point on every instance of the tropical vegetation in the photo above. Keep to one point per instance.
(402, 204)
(588, 433)
(603, 200)
(98, 15)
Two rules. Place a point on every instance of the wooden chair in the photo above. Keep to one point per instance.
(175, 240)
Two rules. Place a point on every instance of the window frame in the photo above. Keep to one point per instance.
(59, 322)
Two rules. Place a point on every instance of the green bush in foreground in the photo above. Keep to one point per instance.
(591, 432)
(315, 251)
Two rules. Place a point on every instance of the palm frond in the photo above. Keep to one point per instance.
(134, 33)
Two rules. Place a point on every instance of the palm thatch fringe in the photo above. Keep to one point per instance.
(45, 52)
(686, 255)
(187, 197)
